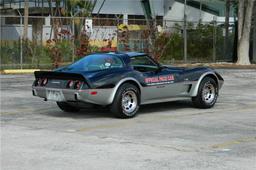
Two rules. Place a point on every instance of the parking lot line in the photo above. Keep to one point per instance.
(234, 142)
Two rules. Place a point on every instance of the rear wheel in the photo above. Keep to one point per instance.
(126, 101)
(67, 107)
(207, 93)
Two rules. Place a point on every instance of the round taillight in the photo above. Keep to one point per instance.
(70, 83)
(44, 81)
(77, 85)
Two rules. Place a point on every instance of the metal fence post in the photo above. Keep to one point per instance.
(117, 46)
(73, 49)
(21, 46)
(214, 39)
(185, 32)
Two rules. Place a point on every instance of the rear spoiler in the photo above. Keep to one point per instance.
(59, 75)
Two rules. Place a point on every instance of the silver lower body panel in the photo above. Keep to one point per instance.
(102, 96)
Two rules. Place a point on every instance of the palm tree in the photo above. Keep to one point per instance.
(76, 8)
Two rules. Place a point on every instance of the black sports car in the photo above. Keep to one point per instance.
(124, 81)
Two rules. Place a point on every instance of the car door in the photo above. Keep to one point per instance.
(158, 83)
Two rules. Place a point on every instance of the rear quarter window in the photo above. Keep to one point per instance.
(142, 60)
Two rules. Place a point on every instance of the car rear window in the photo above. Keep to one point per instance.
(96, 62)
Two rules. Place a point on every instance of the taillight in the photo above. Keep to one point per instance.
(77, 85)
(93, 92)
(38, 82)
(70, 83)
(44, 82)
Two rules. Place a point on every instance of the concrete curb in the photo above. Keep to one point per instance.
(212, 65)
(218, 65)
(19, 71)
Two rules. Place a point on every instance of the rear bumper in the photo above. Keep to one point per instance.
(102, 96)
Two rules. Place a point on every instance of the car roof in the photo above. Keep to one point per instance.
(133, 54)
(125, 56)
(120, 54)
(129, 54)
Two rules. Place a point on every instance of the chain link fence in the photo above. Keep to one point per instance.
(55, 41)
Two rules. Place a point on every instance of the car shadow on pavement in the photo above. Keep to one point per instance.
(165, 106)
(104, 112)
(100, 112)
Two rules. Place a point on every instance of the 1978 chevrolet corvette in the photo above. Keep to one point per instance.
(124, 81)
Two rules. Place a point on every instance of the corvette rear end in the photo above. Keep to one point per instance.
(68, 87)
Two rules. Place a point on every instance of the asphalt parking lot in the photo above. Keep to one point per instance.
(174, 135)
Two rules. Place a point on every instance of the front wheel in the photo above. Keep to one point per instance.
(126, 101)
(207, 93)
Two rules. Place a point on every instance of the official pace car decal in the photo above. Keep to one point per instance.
(167, 79)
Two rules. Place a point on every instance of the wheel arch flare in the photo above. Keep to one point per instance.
(195, 87)
(123, 81)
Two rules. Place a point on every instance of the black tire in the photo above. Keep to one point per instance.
(67, 107)
(206, 99)
(126, 102)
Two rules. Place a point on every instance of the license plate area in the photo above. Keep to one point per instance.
(55, 95)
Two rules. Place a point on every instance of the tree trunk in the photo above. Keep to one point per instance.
(245, 10)
(254, 35)
(25, 31)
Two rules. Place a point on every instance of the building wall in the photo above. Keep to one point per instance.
(193, 14)
(14, 32)
(130, 7)
(171, 10)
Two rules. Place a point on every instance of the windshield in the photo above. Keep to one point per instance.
(96, 62)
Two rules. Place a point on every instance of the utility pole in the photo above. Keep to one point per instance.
(25, 32)
(21, 34)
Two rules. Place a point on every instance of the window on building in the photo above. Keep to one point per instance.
(16, 20)
(159, 20)
(12, 20)
(137, 20)
(107, 19)
(141, 20)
